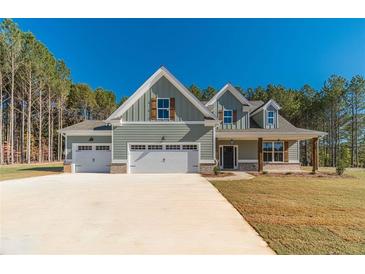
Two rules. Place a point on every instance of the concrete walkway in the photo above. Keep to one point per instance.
(121, 214)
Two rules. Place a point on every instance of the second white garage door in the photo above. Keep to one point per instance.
(163, 158)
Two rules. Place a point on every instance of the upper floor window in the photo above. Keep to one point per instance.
(163, 109)
(270, 118)
(227, 117)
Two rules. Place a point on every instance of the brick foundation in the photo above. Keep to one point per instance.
(282, 167)
(118, 168)
(67, 167)
(207, 168)
(247, 166)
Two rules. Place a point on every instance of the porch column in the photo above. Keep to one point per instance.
(260, 156)
(314, 154)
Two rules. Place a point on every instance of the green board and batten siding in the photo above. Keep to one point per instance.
(84, 140)
(184, 110)
(230, 102)
(150, 133)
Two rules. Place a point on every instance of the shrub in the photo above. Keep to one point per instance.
(216, 170)
(265, 172)
(340, 167)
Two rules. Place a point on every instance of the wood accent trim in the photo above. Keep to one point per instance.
(234, 114)
(314, 154)
(153, 109)
(220, 115)
(286, 151)
(260, 156)
(172, 109)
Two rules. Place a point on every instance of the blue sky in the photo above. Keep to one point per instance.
(120, 54)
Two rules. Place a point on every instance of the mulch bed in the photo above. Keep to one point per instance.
(302, 174)
(219, 175)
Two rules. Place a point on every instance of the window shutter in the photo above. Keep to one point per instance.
(172, 109)
(153, 109)
(286, 151)
(220, 115)
(234, 116)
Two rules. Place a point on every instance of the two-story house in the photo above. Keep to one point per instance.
(164, 128)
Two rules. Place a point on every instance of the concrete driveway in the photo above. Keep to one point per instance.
(121, 214)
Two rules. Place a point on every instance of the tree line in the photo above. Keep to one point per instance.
(38, 98)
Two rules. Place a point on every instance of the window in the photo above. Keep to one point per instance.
(270, 118)
(102, 147)
(273, 151)
(155, 147)
(267, 151)
(84, 148)
(190, 147)
(227, 117)
(172, 147)
(163, 109)
(138, 147)
(278, 152)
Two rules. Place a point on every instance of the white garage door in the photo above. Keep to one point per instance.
(163, 158)
(92, 158)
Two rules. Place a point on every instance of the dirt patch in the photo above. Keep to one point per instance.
(219, 175)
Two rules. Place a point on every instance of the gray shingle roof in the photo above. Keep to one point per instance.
(257, 103)
(88, 125)
(285, 127)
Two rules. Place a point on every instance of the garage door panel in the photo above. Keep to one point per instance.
(96, 159)
(163, 161)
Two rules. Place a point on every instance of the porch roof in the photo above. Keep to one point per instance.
(285, 131)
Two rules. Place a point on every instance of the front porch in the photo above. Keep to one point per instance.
(263, 154)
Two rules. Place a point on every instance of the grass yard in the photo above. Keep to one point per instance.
(303, 215)
(8, 172)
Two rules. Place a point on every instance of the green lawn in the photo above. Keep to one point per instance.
(8, 172)
(303, 215)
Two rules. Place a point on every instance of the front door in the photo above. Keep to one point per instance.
(228, 154)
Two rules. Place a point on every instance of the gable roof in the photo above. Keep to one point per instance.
(270, 102)
(148, 84)
(233, 90)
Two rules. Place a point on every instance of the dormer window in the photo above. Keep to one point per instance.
(270, 118)
(227, 116)
(163, 109)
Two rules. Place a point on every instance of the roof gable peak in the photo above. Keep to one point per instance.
(162, 71)
(229, 87)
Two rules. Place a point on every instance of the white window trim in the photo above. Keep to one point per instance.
(273, 151)
(268, 117)
(230, 110)
(168, 110)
